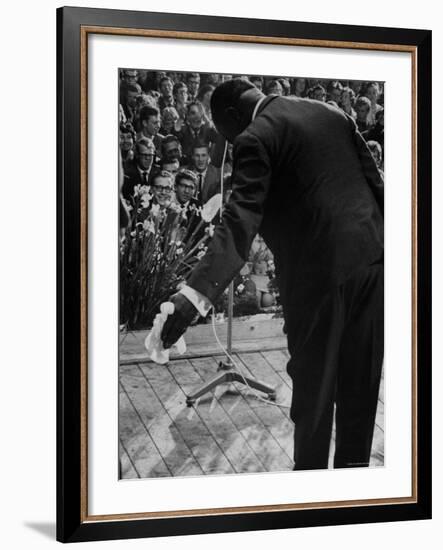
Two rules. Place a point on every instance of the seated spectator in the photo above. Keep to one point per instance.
(166, 98)
(193, 83)
(171, 149)
(171, 166)
(195, 129)
(151, 81)
(257, 81)
(347, 102)
(162, 190)
(334, 91)
(185, 186)
(286, 87)
(138, 171)
(377, 132)
(126, 142)
(355, 86)
(130, 76)
(128, 100)
(210, 79)
(204, 96)
(317, 92)
(377, 154)
(170, 121)
(362, 108)
(180, 93)
(208, 176)
(274, 87)
(299, 87)
(372, 91)
(149, 120)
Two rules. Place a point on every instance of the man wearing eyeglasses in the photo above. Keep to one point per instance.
(138, 172)
(162, 189)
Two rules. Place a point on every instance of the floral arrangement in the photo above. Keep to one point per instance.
(158, 249)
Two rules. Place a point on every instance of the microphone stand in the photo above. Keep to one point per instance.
(227, 371)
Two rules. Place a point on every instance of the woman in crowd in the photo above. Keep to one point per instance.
(347, 101)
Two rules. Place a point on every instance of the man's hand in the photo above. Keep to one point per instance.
(177, 323)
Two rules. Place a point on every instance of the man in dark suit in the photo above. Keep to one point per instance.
(195, 130)
(304, 178)
(208, 176)
(138, 171)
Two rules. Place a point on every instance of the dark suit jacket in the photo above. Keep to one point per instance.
(206, 134)
(210, 184)
(132, 178)
(304, 178)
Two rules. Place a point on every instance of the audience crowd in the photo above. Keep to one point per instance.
(169, 144)
(168, 141)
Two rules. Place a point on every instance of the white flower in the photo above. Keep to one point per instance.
(155, 209)
(210, 230)
(136, 190)
(146, 199)
(179, 251)
(201, 254)
(240, 288)
(211, 208)
(148, 226)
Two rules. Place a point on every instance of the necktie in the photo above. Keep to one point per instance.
(200, 182)
(145, 177)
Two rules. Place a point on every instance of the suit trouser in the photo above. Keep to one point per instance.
(337, 356)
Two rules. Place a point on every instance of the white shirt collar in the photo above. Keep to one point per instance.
(257, 106)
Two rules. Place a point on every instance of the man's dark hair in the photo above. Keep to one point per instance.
(170, 138)
(185, 174)
(227, 95)
(147, 111)
(199, 145)
(148, 143)
(127, 128)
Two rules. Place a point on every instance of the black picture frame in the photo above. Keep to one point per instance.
(73, 523)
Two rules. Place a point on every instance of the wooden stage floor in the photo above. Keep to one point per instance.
(227, 431)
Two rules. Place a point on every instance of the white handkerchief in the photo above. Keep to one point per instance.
(153, 342)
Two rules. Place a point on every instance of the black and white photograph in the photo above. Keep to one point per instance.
(251, 273)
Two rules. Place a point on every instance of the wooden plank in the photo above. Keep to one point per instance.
(137, 441)
(159, 423)
(137, 354)
(198, 438)
(232, 400)
(278, 361)
(127, 468)
(275, 418)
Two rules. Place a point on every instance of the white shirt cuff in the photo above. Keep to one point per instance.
(197, 299)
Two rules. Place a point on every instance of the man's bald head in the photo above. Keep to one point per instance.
(232, 104)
